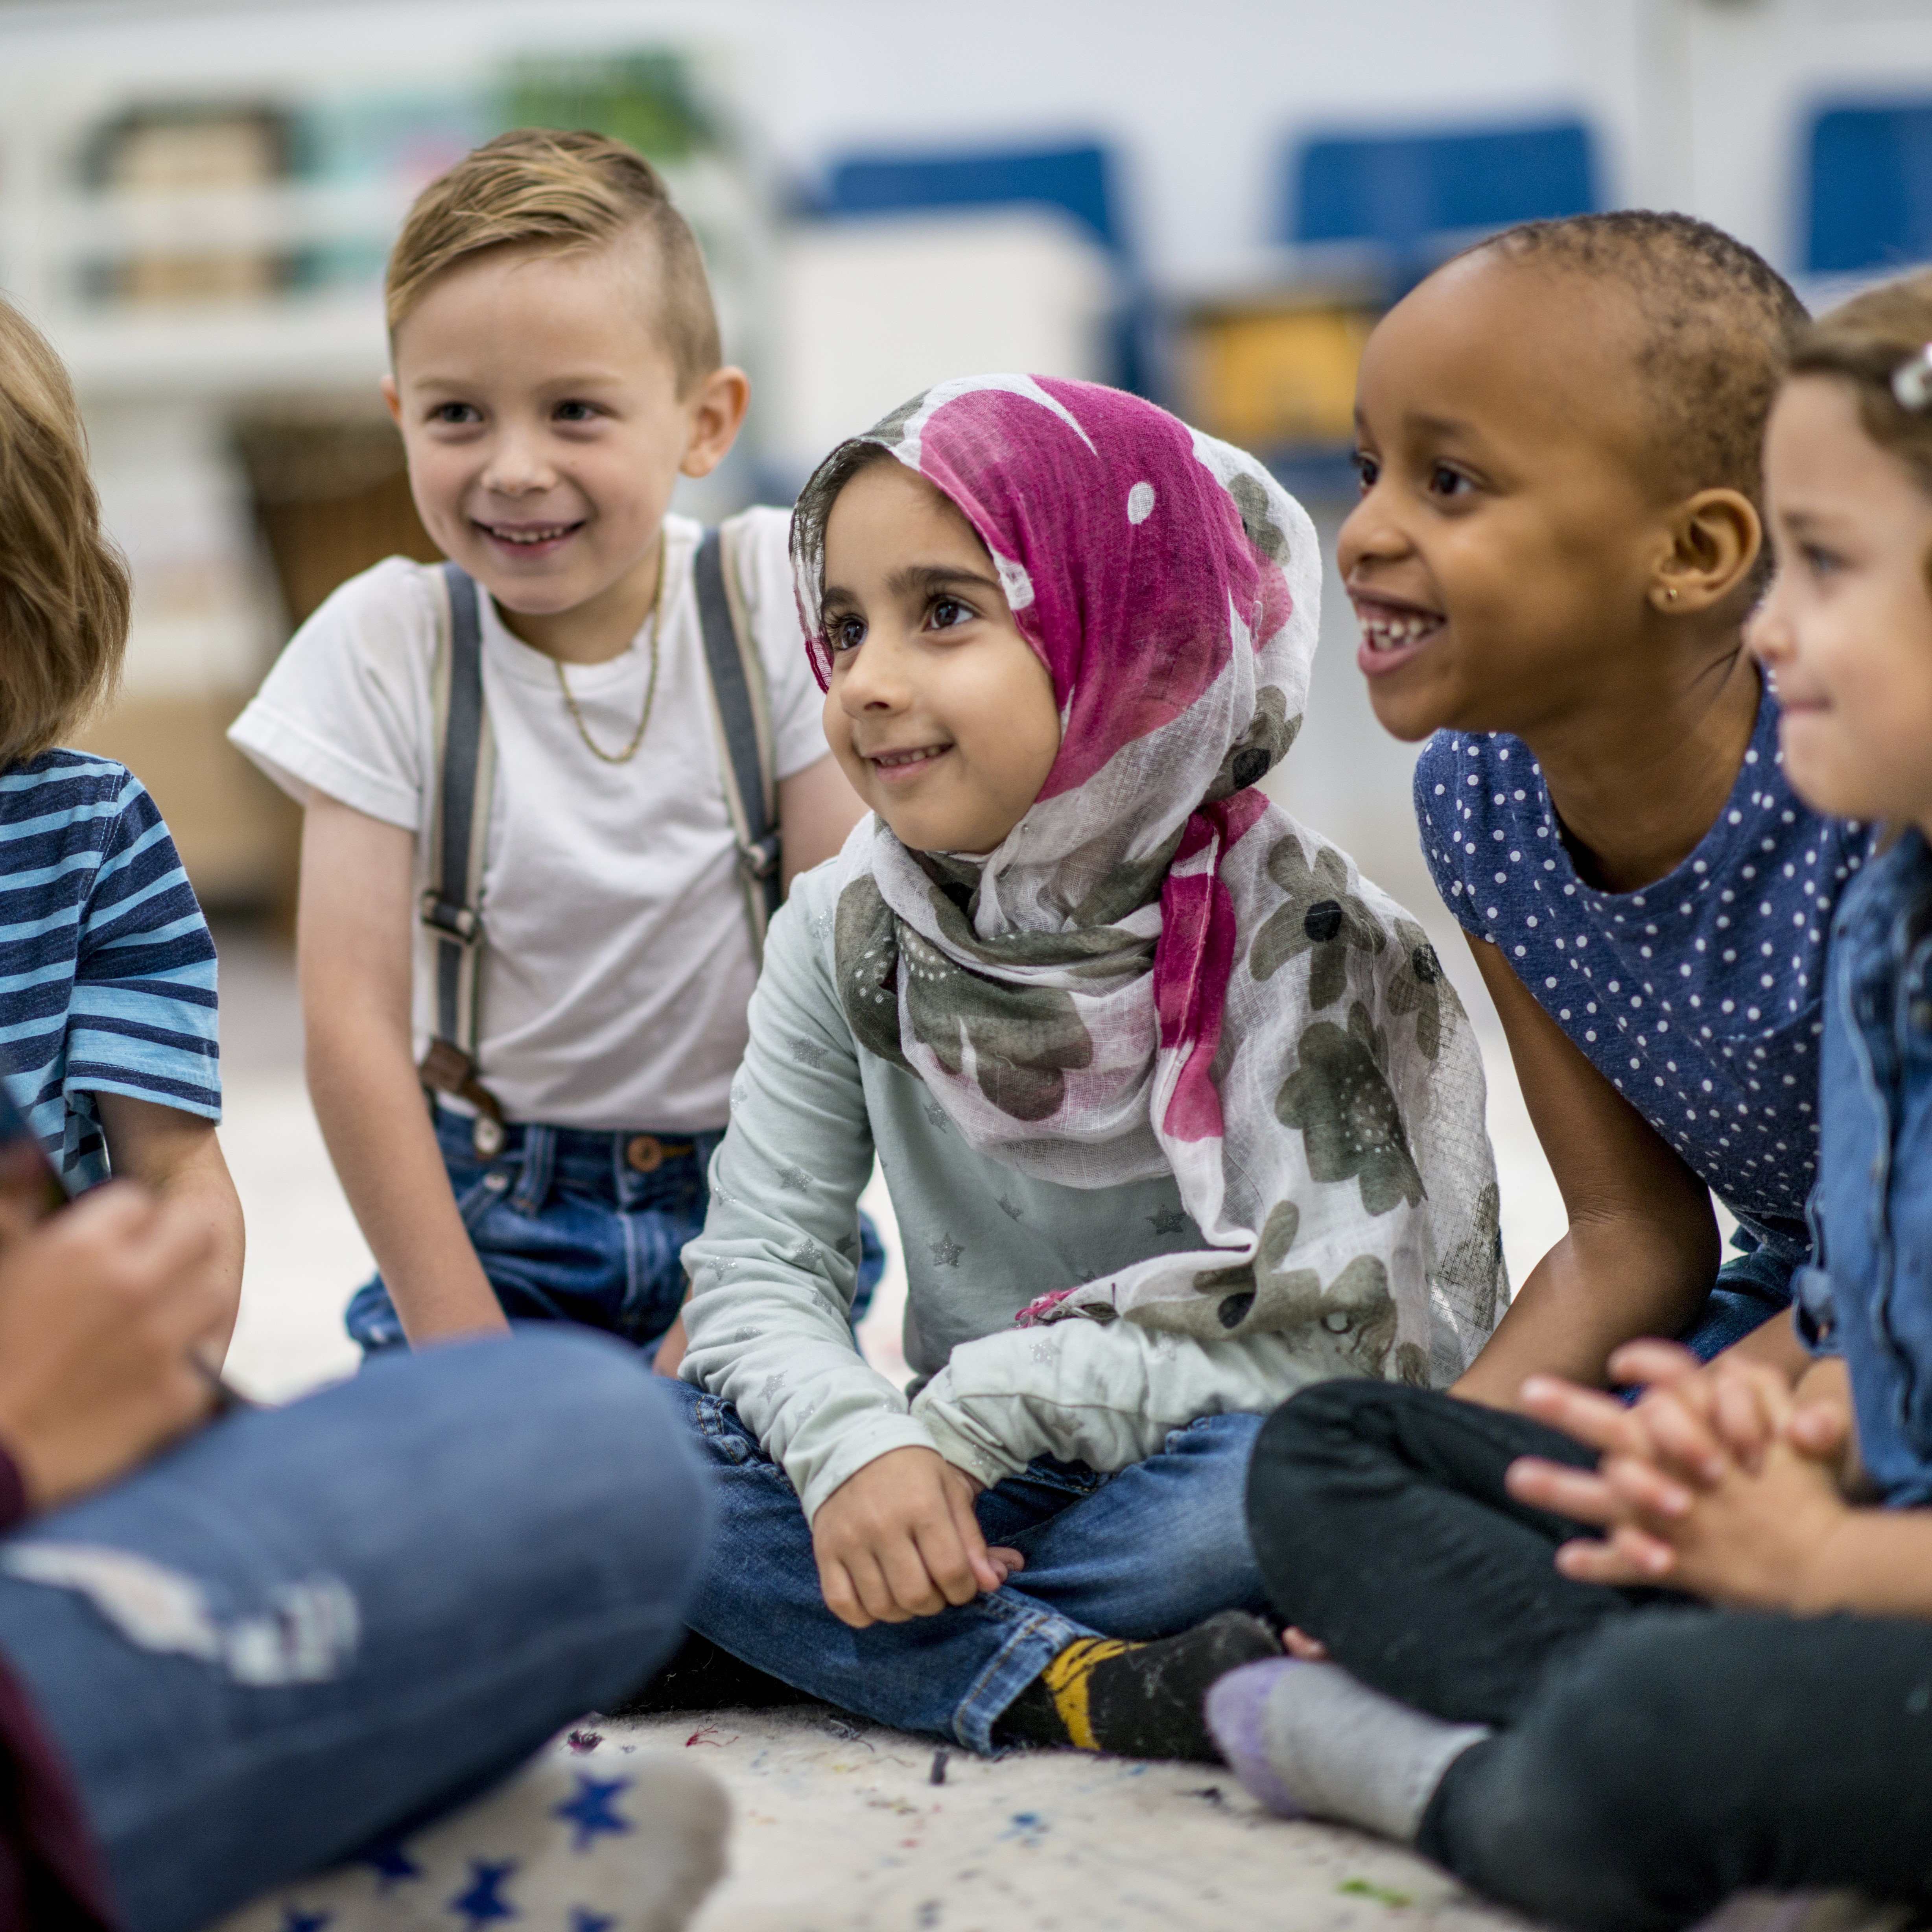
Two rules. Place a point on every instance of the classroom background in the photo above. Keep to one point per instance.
(1210, 204)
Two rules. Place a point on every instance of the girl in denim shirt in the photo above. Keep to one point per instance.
(1731, 1690)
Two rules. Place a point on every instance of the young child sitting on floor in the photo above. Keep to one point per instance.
(1177, 1110)
(109, 971)
(1558, 543)
(1568, 1737)
(556, 368)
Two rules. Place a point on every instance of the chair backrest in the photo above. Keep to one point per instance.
(1868, 190)
(1400, 192)
(1078, 180)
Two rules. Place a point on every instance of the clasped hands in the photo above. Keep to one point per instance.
(899, 1540)
(1722, 1480)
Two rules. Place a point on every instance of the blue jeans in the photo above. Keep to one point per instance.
(1146, 1553)
(398, 1589)
(568, 1230)
(1751, 1288)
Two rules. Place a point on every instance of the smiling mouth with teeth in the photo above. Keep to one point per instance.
(528, 533)
(886, 761)
(1387, 630)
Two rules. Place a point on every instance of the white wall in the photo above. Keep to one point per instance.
(1699, 100)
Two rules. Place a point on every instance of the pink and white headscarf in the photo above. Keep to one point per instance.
(1158, 969)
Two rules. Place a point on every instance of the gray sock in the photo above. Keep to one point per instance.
(1347, 1752)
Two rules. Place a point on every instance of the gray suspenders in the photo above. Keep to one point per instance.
(741, 712)
(466, 759)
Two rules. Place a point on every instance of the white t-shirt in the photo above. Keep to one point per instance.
(618, 962)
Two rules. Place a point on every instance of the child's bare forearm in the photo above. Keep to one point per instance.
(1876, 1563)
(380, 1137)
(1587, 1297)
(352, 939)
(177, 1154)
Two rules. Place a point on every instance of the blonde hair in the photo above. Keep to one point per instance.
(64, 593)
(564, 192)
(1863, 343)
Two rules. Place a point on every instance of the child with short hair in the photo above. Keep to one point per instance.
(1568, 1739)
(1558, 544)
(1177, 1110)
(556, 367)
(107, 970)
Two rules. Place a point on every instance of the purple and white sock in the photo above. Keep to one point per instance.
(1309, 1741)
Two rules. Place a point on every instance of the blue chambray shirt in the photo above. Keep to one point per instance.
(1868, 1295)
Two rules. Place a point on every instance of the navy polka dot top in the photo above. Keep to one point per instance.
(1699, 998)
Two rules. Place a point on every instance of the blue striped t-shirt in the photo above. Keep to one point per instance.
(106, 968)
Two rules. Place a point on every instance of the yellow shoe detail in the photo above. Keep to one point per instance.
(1067, 1679)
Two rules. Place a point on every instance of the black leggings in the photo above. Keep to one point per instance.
(1653, 1754)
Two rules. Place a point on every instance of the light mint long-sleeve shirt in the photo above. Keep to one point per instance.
(774, 1272)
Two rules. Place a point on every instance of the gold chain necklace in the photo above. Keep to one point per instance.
(630, 750)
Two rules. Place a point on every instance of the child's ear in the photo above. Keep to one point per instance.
(393, 400)
(1715, 536)
(717, 412)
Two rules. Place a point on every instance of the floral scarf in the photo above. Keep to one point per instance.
(1158, 969)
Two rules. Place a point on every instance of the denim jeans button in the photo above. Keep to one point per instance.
(495, 1183)
(644, 1153)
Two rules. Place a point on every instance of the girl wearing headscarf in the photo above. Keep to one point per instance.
(1177, 1110)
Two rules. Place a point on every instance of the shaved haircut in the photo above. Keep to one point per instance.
(1716, 326)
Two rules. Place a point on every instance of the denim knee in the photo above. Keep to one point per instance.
(614, 1453)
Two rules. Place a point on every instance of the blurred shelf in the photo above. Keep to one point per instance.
(327, 340)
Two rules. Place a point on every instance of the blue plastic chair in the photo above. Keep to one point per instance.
(1407, 195)
(1870, 188)
(1078, 180)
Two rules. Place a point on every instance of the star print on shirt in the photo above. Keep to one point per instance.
(794, 1180)
(590, 1810)
(1007, 1208)
(483, 1902)
(945, 1252)
(1168, 1220)
(933, 1112)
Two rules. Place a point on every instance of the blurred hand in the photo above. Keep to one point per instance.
(101, 1309)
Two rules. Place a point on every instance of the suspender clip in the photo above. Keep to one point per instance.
(459, 922)
(761, 861)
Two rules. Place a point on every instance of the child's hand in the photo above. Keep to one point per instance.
(899, 1540)
(1744, 1531)
(1655, 1457)
(1693, 1421)
(1757, 1541)
(1696, 1417)
(103, 1310)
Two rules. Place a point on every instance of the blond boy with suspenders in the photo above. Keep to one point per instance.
(553, 788)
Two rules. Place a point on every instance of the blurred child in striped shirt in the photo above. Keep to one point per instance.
(107, 971)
